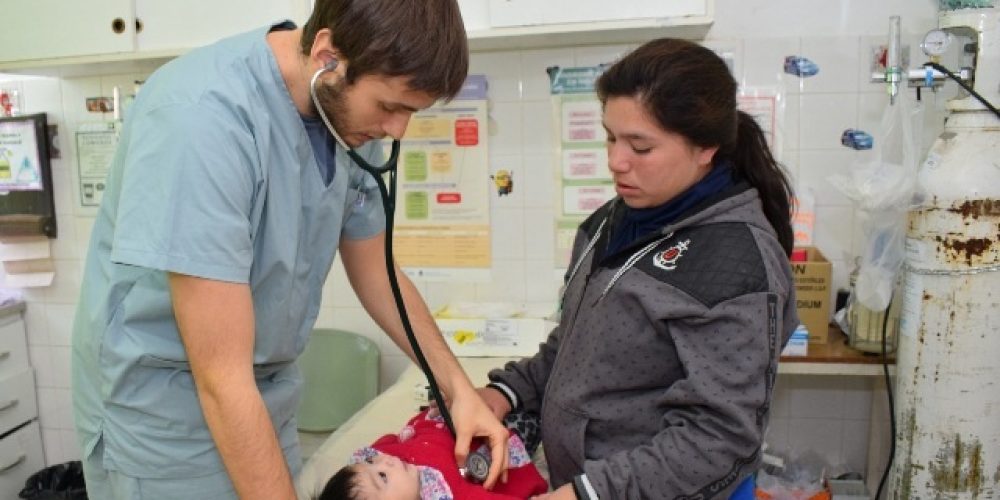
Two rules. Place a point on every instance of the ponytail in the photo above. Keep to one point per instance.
(754, 163)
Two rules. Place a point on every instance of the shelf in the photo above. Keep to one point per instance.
(94, 65)
(834, 357)
(590, 33)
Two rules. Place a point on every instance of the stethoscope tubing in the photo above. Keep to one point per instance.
(388, 193)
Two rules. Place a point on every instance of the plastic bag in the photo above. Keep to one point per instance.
(882, 185)
(58, 482)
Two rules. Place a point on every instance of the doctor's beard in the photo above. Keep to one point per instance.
(331, 98)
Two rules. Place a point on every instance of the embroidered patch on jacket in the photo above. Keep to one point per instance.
(432, 485)
(667, 259)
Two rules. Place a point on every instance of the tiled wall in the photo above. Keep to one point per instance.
(829, 414)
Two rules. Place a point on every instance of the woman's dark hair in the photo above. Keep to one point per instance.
(689, 91)
(420, 39)
(342, 486)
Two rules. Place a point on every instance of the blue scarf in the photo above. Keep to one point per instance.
(637, 223)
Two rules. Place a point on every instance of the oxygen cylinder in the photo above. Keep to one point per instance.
(948, 358)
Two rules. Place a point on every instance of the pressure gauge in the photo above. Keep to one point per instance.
(936, 42)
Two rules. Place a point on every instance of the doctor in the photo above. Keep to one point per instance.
(226, 203)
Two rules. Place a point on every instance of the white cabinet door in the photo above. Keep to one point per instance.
(535, 12)
(20, 457)
(43, 29)
(181, 24)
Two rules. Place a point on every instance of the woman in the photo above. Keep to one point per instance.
(657, 382)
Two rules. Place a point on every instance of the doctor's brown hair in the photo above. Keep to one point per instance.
(689, 91)
(421, 39)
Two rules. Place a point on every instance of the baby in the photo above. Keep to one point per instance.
(419, 464)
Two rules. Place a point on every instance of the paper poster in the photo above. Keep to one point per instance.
(443, 214)
(762, 105)
(20, 169)
(584, 182)
(95, 147)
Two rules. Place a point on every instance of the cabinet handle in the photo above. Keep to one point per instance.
(8, 405)
(138, 25)
(17, 462)
(118, 25)
(4, 355)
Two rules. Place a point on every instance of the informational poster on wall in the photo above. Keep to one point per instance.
(443, 210)
(765, 105)
(584, 182)
(95, 147)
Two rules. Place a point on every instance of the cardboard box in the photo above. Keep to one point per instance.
(812, 293)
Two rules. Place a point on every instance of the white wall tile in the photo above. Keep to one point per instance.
(508, 283)
(815, 398)
(503, 72)
(857, 392)
(52, 445)
(539, 172)
(833, 232)
(36, 324)
(825, 117)
(41, 361)
(440, 294)
(541, 284)
(823, 436)
(537, 128)
(535, 81)
(70, 446)
(62, 187)
(789, 120)
(539, 233)
(65, 287)
(764, 61)
(75, 92)
(42, 95)
(837, 58)
(815, 169)
(61, 360)
(65, 245)
(505, 129)
(59, 322)
(599, 54)
(507, 240)
(776, 435)
(781, 397)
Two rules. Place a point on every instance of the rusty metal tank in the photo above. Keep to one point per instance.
(948, 359)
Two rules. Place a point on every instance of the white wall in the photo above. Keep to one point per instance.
(824, 413)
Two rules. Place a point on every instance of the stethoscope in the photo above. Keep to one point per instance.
(477, 465)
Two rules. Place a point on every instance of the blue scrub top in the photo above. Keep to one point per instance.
(214, 177)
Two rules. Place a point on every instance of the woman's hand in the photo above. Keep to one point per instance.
(496, 401)
(563, 493)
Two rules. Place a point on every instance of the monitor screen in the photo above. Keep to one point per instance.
(20, 166)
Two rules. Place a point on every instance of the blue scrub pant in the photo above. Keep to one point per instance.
(103, 484)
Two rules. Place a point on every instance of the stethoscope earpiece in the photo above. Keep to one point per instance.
(332, 65)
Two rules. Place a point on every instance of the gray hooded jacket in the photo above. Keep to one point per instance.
(657, 381)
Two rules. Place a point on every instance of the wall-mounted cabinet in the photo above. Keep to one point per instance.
(59, 38)
(507, 24)
(53, 37)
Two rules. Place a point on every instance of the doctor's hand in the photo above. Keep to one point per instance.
(472, 419)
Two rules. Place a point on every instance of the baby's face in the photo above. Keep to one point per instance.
(386, 477)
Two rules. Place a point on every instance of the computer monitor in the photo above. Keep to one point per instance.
(27, 206)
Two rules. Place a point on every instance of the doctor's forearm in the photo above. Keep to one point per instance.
(243, 432)
(216, 323)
